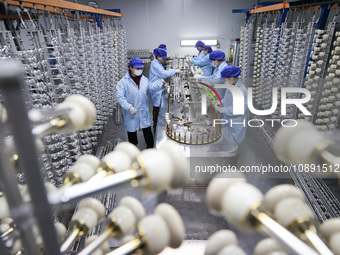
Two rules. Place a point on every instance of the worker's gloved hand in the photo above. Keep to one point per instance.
(197, 76)
(133, 110)
(178, 71)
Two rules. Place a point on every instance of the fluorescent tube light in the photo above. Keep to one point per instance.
(193, 42)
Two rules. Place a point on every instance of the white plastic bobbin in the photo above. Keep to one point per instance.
(315, 57)
(285, 134)
(323, 45)
(180, 163)
(135, 206)
(298, 155)
(269, 246)
(156, 233)
(92, 160)
(219, 240)
(93, 204)
(216, 189)
(335, 111)
(87, 106)
(322, 54)
(290, 209)
(328, 84)
(87, 216)
(129, 149)
(84, 170)
(155, 160)
(118, 160)
(328, 113)
(77, 115)
(237, 202)
(174, 222)
(326, 92)
(125, 218)
(276, 194)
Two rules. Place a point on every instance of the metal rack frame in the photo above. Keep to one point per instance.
(39, 210)
(11, 87)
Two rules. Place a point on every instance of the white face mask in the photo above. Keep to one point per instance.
(138, 72)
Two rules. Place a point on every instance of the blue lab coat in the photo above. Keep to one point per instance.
(128, 94)
(156, 74)
(203, 62)
(217, 71)
(215, 76)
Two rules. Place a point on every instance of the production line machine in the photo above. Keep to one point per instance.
(189, 110)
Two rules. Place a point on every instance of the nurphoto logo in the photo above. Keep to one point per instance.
(238, 103)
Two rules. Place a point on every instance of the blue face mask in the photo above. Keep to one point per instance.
(213, 65)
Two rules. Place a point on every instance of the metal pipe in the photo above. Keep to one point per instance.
(76, 233)
(127, 248)
(317, 243)
(84, 189)
(106, 235)
(47, 128)
(273, 229)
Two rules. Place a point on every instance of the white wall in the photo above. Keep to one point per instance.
(152, 22)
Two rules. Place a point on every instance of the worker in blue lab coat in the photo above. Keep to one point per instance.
(236, 123)
(199, 45)
(131, 94)
(217, 59)
(204, 61)
(156, 74)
